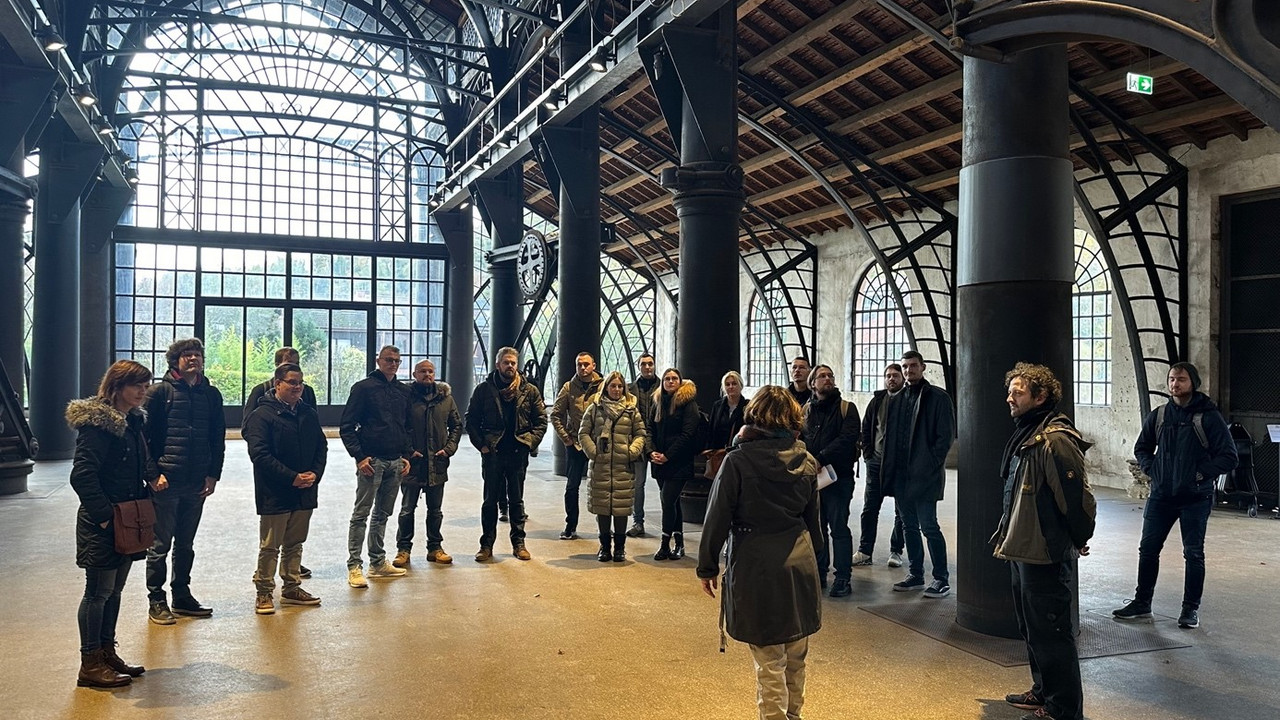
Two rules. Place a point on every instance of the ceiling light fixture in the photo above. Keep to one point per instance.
(84, 95)
(601, 61)
(50, 39)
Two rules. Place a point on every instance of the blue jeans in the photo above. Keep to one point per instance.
(640, 469)
(503, 474)
(1192, 516)
(177, 519)
(576, 468)
(375, 492)
(872, 500)
(100, 606)
(920, 517)
(837, 540)
(435, 517)
(1042, 604)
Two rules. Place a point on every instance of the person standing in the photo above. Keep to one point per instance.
(111, 466)
(918, 435)
(566, 418)
(642, 388)
(505, 421)
(799, 387)
(187, 438)
(435, 428)
(288, 449)
(375, 431)
(612, 434)
(727, 413)
(1049, 516)
(672, 429)
(831, 430)
(283, 355)
(764, 502)
(1183, 447)
(873, 428)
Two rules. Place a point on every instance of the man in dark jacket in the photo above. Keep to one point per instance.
(831, 430)
(873, 427)
(506, 420)
(1049, 514)
(1184, 446)
(566, 417)
(288, 450)
(435, 428)
(918, 433)
(283, 355)
(186, 436)
(375, 431)
(642, 388)
(799, 387)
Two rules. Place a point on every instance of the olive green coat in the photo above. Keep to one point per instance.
(612, 435)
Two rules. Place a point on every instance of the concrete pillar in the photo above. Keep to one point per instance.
(1014, 277)
(456, 227)
(96, 303)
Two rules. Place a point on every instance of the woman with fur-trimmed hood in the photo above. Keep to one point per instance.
(612, 435)
(673, 429)
(111, 466)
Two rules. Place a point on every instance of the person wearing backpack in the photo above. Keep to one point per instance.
(673, 429)
(1183, 447)
(831, 431)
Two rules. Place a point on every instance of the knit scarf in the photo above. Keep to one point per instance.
(508, 393)
(1023, 426)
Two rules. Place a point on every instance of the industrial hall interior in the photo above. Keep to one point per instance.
(245, 240)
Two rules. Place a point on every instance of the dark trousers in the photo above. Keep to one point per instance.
(100, 606)
(177, 519)
(503, 474)
(872, 500)
(575, 468)
(669, 490)
(1042, 603)
(409, 494)
(1192, 516)
(920, 517)
(619, 525)
(837, 540)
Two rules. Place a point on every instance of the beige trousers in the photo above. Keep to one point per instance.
(780, 679)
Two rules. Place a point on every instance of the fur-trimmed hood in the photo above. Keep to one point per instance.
(684, 394)
(92, 412)
(442, 389)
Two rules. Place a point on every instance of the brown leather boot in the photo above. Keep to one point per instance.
(94, 672)
(115, 663)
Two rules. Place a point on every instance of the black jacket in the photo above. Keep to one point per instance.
(434, 425)
(267, 387)
(486, 426)
(1176, 462)
(284, 443)
(673, 434)
(831, 435)
(375, 421)
(186, 432)
(869, 424)
(111, 465)
(927, 439)
(725, 424)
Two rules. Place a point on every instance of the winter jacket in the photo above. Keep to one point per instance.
(725, 424)
(267, 387)
(284, 443)
(571, 403)
(802, 397)
(1049, 508)
(186, 432)
(642, 390)
(486, 426)
(435, 424)
(831, 431)
(871, 424)
(375, 421)
(1176, 462)
(928, 438)
(111, 465)
(612, 435)
(673, 433)
(765, 503)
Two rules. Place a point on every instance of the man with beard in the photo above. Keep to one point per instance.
(830, 431)
(506, 420)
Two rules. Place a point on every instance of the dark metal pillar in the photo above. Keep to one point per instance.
(455, 226)
(502, 206)
(15, 195)
(99, 214)
(66, 166)
(1013, 291)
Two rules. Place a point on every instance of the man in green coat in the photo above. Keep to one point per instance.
(435, 428)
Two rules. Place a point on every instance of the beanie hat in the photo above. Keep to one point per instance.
(1191, 372)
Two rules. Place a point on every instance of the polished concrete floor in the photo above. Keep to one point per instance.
(566, 637)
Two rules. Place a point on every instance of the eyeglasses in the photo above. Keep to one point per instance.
(293, 383)
(393, 361)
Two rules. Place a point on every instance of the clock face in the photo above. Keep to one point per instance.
(532, 264)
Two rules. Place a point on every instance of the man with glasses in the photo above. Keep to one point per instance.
(186, 437)
(375, 431)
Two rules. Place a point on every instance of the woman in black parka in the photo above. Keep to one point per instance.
(673, 428)
(111, 465)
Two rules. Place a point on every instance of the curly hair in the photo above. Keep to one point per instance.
(773, 408)
(1039, 378)
(181, 347)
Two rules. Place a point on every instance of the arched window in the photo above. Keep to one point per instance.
(1091, 327)
(766, 363)
(879, 330)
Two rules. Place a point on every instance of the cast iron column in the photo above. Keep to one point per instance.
(13, 217)
(96, 303)
(1014, 275)
(460, 332)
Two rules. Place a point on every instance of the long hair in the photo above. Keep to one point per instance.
(657, 393)
(121, 374)
(732, 374)
(773, 408)
(604, 386)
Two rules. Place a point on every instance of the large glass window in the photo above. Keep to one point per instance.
(879, 331)
(1091, 317)
(766, 362)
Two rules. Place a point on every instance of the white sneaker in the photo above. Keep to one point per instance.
(355, 578)
(386, 570)
(861, 558)
(895, 560)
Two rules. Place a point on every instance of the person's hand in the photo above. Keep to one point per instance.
(709, 586)
(1084, 551)
(104, 524)
(658, 458)
(365, 466)
(484, 450)
(416, 454)
(210, 484)
(160, 484)
(405, 469)
(299, 481)
(440, 453)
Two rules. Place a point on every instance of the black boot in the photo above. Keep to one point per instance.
(604, 555)
(664, 552)
(619, 547)
(94, 672)
(115, 663)
(678, 552)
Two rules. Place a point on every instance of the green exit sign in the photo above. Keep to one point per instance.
(1143, 84)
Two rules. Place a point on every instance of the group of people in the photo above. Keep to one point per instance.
(784, 467)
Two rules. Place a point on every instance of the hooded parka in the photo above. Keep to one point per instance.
(435, 425)
(673, 428)
(612, 434)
